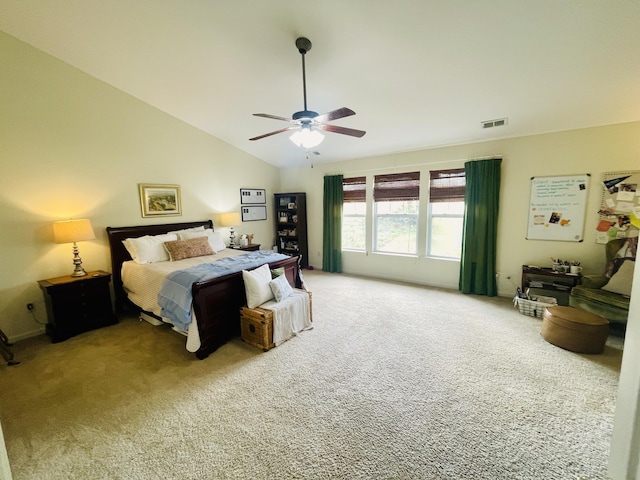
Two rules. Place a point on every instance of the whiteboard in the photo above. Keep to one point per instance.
(557, 208)
(254, 212)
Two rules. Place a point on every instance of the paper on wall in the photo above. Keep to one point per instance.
(635, 217)
(626, 196)
(624, 207)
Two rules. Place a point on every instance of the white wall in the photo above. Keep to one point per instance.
(624, 460)
(593, 150)
(72, 146)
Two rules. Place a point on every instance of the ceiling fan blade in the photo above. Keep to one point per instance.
(343, 130)
(275, 117)
(273, 133)
(334, 115)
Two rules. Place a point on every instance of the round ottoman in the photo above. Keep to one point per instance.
(574, 329)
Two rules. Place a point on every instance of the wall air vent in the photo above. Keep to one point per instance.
(500, 122)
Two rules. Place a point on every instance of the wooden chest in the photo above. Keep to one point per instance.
(256, 326)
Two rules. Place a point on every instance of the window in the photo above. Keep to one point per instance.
(446, 213)
(354, 211)
(396, 212)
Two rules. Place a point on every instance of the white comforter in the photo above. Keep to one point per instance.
(143, 282)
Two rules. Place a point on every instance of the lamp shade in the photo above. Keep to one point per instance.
(71, 231)
(230, 219)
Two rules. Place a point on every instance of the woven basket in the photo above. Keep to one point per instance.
(534, 308)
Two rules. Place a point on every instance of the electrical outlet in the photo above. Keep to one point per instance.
(30, 306)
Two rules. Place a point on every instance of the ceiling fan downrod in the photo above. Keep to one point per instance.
(304, 45)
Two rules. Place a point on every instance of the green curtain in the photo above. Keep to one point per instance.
(480, 230)
(332, 224)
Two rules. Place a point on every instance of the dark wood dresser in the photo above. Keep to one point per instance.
(77, 304)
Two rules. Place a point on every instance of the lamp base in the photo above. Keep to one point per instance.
(232, 239)
(78, 271)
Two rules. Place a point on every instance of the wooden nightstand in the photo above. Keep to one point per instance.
(249, 248)
(77, 304)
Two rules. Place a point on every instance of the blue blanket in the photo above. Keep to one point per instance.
(175, 296)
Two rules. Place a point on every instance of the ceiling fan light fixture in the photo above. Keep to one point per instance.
(307, 137)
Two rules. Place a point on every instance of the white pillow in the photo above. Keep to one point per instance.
(256, 285)
(188, 230)
(215, 239)
(622, 280)
(280, 287)
(149, 249)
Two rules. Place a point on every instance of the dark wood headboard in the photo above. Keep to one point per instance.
(119, 253)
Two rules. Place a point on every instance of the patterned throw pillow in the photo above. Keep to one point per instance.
(215, 239)
(280, 288)
(194, 247)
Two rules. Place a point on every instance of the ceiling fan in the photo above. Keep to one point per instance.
(308, 123)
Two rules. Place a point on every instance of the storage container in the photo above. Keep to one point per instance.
(534, 308)
(256, 326)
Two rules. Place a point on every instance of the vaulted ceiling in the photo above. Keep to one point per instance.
(418, 73)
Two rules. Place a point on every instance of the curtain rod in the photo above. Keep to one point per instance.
(396, 167)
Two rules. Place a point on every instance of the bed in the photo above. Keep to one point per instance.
(216, 302)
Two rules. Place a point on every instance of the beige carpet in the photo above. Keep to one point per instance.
(394, 382)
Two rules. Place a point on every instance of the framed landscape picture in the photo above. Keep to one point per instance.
(160, 200)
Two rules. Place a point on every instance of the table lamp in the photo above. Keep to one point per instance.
(229, 220)
(72, 231)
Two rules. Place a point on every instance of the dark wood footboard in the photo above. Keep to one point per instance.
(216, 302)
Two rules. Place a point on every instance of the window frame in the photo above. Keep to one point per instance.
(396, 187)
(355, 191)
(445, 186)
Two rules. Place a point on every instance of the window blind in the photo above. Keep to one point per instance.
(355, 189)
(447, 185)
(396, 186)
